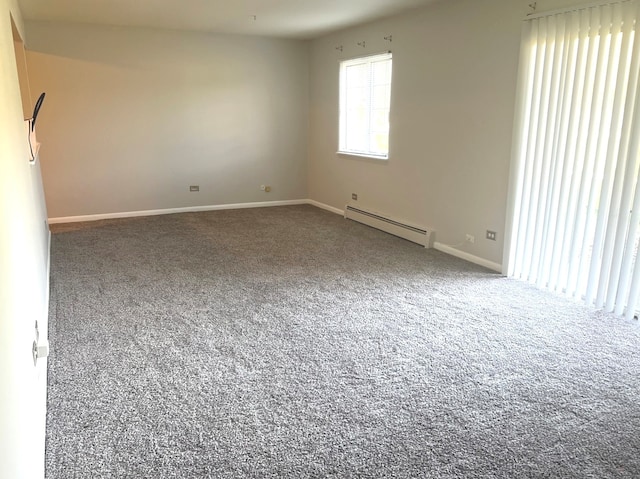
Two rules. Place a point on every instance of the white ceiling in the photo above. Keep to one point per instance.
(280, 18)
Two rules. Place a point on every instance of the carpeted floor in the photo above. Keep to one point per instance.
(291, 343)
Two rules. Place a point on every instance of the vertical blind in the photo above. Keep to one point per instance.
(574, 198)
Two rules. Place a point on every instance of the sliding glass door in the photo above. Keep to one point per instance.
(574, 199)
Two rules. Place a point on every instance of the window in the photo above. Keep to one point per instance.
(365, 96)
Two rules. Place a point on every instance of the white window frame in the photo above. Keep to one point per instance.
(365, 136)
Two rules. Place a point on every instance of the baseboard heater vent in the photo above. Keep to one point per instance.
(414, 233)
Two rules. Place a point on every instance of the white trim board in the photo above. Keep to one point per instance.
(324, 206)
(48, 291)
(168, 211)
(468, 257)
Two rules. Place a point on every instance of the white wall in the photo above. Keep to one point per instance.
(21, 64)
(23, 276)
(454, 80)
(135, 116)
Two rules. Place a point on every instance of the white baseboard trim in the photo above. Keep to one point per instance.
(468, 257)
(168, 211)
(48, 291)
(48, 253)
(333, 209)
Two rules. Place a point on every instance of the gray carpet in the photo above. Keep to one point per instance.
(289, 342)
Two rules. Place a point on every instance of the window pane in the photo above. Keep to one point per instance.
(380, 121)
(379, 143)
(357, 139)
(357, 98)
(357, 76)
(382, 72)
(381, 95)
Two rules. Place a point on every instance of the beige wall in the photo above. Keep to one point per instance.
(23, 275)
(135, 116)
(454, 80)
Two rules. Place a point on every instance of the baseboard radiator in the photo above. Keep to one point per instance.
(410, 232)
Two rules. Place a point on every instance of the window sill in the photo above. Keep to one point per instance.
(363, 155)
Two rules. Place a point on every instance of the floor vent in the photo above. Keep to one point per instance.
(417, 234)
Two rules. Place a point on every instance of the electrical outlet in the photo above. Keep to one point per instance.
(491, 235)
(354, 196)
(470, 239)
(193, 188)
